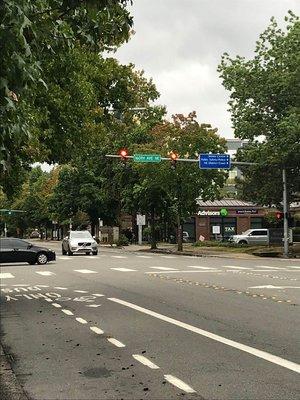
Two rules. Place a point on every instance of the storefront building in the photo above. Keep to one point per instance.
(224, 218)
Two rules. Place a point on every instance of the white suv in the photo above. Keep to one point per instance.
(79, 242)
(252, 236)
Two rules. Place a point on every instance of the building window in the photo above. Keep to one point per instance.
(256, 223)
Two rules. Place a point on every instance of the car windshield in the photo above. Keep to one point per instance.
(80, 234)
(247, 232)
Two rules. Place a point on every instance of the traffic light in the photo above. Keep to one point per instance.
(173, 157)
(279, 215)
(123, 154)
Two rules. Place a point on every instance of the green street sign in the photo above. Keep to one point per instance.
(223, 212)
(147, 158)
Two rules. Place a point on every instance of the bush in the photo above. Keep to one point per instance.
(208, 243)
(123, 241)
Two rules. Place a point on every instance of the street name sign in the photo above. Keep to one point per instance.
(214, 161)
(147, 158)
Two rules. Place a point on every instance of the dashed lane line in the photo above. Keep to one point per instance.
(116, 342)
(118, 256)
(96, 330)
(56, 305)
(45, 273)
(81, 291)
(98, 295)
(81, 320)
(67, 312)
(124, 269)
(60, 288)
(85, 271)
(200, 267)
(144, 256)
(93, 305)
(145, 361)
(247, 349)
(165, 268)
(179, 384)
(168, 257)
(64, 258)
(186, 272)
(232, 267)
(6, 275)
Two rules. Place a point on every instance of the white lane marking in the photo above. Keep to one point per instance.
(6, 275)
(96, 330)
(273, 287)
(64, 258)
(178, 272)
(94, 305)
(60, 288)
(247, 349)
(268, 267)
(145, 361)
(47, 299)
(198, 267)
(81, 320)
(124, 269)
(45, 273)
(118, 256)
(233, 267)
(56, 305)
(42, 286)
(27, 296)
(68, 312)
(116, 342)
(292, 266)
(85, 271)
(97, 294)
(81, 291)
(165, 268)
(167, 256)
(90, 257)
(144, 256)
(179, 383)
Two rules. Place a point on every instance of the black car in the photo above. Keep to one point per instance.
(18, 250)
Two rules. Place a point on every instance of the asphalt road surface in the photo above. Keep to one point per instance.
(125, 325)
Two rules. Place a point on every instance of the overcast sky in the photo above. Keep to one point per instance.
(179, 44)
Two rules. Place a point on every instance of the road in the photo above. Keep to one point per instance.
(125, 325)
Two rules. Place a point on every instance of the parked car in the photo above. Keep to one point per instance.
(79, 242)
(34, 234)
(252, 236)
(18, 250)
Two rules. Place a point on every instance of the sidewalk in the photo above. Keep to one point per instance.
(10, 389)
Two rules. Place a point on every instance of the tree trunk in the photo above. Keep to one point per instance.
(179, 234)
(152, 225)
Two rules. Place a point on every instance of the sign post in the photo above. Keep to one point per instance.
(140, 221)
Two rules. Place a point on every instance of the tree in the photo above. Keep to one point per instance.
(265, 108)
(160, 186)
(32, 33)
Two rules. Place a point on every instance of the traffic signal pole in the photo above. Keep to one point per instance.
(285, 216)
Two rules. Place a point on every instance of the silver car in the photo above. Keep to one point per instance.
(252, 236)
(79, 242)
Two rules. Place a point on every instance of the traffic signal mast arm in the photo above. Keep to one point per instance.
(181, 159)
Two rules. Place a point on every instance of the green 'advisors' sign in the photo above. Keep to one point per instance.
(147, 158)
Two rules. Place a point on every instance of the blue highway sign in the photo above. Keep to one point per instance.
(214, 161)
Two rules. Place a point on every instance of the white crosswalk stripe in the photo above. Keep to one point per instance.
(45, 273)
(124, 269)
(85, 271)
(6, 275)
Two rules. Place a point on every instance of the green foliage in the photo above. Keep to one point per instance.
(32, 33)
(265, 108)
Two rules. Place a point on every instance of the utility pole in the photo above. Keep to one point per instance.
(285, 215)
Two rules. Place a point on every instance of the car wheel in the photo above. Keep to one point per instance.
(42, 258)
(243, 242)
(70, 253)
(95, 253)
(63, 251)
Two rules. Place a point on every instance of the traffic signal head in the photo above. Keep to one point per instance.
(279, 215)
(173, 157)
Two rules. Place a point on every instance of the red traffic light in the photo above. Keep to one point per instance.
(173, 156)
(279, 215)
(123, 153)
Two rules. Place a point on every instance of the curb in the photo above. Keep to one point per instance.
(10, 388)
